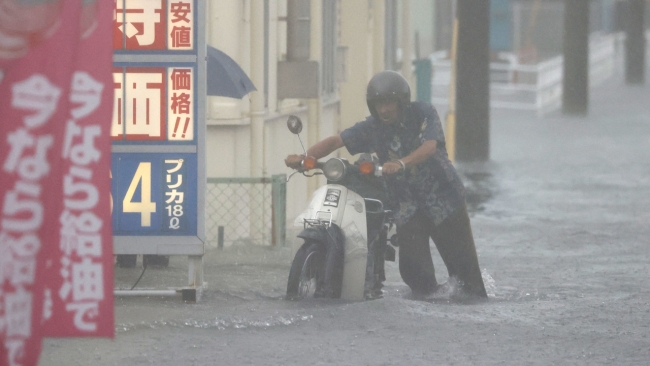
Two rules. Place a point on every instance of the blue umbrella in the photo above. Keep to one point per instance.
(225, 77)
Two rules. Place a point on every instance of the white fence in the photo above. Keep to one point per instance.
(534, 87)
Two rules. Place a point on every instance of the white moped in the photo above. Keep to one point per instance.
(345, 226)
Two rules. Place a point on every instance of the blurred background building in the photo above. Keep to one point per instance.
(313, 58)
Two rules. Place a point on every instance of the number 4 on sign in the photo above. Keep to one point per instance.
(145, 207)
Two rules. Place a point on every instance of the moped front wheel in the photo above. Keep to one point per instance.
(307, 272)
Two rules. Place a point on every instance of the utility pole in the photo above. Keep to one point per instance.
(407, 42)
(257, 97)
(635, 42)
(473, 81)
(314, 105)
(575, 84)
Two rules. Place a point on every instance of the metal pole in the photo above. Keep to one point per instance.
(575, 84)
(257, 97)
(147, 292)
(279, 193)
(407, 48)
(473, 81)
(314, 106)
(220, 237)
(635, 42)
(379, 15)
(257, 112)
(450, 126)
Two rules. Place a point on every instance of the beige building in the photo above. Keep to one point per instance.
(348, 42)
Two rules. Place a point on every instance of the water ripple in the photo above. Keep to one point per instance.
(218, 323)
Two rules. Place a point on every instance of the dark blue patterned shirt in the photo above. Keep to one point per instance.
(432, 185)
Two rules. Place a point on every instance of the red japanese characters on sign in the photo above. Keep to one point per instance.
(78, 295)
(181, 104)
(81, 288)
(26, 168)
(153, 104)
(180, 25)
(153, 25)
(50, 173)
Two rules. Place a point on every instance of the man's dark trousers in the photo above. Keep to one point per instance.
(455, 243)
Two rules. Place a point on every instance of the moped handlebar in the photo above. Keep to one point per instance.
(336, 169)
(303, 172)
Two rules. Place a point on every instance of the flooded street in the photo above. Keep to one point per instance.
(562, 225)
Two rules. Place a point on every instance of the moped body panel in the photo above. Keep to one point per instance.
(356, 247)
(348, 210)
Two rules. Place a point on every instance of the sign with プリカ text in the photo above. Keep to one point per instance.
(154, 194)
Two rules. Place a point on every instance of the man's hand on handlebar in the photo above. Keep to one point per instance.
(391, 167)
(294, 161)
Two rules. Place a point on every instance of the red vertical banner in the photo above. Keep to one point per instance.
(80, 273)
(39, 44)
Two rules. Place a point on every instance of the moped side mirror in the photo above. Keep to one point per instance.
(294, 124)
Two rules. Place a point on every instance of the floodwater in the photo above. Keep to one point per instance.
(562, 226)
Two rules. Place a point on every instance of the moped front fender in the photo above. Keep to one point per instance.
(314, 233)
(332, 240)
(350, 215)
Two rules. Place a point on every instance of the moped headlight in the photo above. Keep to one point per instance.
(334, 169)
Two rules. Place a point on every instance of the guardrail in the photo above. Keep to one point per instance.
(534, 87)
(246, 210)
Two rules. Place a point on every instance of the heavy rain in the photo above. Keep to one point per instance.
(558, 202)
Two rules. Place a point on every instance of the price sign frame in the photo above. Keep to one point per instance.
(152, 194)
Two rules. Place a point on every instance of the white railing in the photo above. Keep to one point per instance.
(534, 87)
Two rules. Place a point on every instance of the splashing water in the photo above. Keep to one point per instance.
(490, 284)
(218, 323)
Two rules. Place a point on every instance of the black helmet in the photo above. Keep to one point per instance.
(388, 85)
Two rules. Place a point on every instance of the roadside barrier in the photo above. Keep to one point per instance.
(527, 86)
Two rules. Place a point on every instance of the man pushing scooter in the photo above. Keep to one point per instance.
(424, 187)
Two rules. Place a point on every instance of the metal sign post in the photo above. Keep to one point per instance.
(158, 133)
